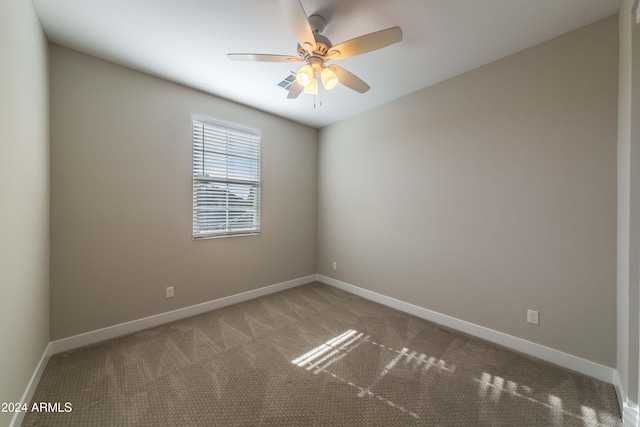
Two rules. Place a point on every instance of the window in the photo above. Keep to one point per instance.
(226, 180)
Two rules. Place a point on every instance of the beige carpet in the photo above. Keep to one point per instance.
(314, 356)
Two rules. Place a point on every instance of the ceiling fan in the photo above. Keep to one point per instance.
(315, 50)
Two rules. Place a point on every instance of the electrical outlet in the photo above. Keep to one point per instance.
(532, 317)
(169, 292)
(335, 265)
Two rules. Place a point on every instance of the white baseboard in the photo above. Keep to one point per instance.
(126, 328)
(629, 410)
(578, 364)
(630, 415)
(18, 417)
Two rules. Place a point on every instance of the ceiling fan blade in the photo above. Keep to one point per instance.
(295, 90)
(262, 57)
(297, 18)
(350, 80)
(366, 43)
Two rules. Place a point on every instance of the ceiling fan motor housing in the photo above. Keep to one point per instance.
(322, 47)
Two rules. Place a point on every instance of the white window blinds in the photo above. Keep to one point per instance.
(226, 180)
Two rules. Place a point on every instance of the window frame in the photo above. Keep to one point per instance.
(230, 130)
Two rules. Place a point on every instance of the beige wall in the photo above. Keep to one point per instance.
(488, 194)
(24, 198)
(122, 198)
(628, 201)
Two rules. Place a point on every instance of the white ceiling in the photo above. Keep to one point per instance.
(186, 41)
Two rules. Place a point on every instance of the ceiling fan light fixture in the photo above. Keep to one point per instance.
(312, 88)
(305, 76)
(329, 78)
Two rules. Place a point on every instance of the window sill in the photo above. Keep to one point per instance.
(224, 236)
